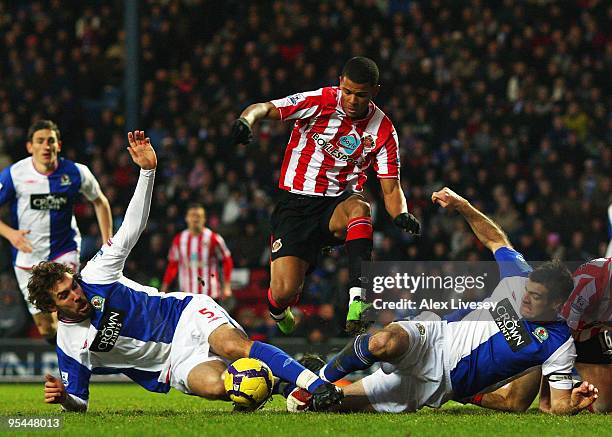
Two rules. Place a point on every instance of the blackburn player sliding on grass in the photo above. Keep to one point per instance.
(338, 133)
(428, 361)
(588, 312)
(111, 324)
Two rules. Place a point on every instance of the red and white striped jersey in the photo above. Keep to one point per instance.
(328, 152)
(589, 307)
(198, 256)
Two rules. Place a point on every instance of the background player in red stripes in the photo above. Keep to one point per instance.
(338, 133)
(195, 255)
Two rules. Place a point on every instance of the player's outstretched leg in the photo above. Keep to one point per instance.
(232, 344)
(364, 350)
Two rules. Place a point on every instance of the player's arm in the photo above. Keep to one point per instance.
(227, 264)
(55, 393)
(17, 237)
(169, 275)
(242, 128)
(564, 398)
(104, 216)
(487, 231)
(107, 265)
(516, 396)
(395, 204)
(294, 107)
(572, 401)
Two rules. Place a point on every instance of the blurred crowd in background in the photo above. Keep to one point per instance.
(507, 102)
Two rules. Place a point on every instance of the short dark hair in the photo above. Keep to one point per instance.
(555, 277)
(361, 70)
(195, 205)
(45, 276)
(43, 124)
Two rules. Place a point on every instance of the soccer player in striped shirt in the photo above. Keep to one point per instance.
(195, 255)
(338, 133)
(41, 191)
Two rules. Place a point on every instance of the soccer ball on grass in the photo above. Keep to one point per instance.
(248, 382)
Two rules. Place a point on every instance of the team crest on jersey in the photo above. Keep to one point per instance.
(421, 329)
(277, 245)
(65, 180)
(349, 143)
(368, 143)
(97, 302)
(541, 333)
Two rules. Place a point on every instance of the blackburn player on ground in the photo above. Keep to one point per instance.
(111, 324)
(588, 312)
(338, 133)
(195, 255)
(41, 191)
(427, 362)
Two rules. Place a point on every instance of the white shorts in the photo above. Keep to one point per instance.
(420, 377)
(70, 259)
(190, 345)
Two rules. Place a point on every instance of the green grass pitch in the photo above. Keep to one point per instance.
(126, 409)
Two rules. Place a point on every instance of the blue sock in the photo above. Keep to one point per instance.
(355, 356)
(285, 367)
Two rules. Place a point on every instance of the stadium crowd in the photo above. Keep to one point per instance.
(507, 102)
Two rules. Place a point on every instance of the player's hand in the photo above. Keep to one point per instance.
(447, 198)
(18, 239)
(241, 132)
(55, 392)
(408, 223)
(583, 396)
(227, 291)
(141, 150)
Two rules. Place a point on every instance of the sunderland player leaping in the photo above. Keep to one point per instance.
(338, 133)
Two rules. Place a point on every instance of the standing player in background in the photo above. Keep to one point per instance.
(338, 133)
(41, 191)
(195, 255)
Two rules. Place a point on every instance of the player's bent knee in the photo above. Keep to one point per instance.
(284, 290)
(387, 345)
(206, 381)
(230, 343)
(359, 208)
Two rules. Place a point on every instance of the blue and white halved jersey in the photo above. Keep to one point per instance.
(132, 326)
(43, 204)
(488, 347)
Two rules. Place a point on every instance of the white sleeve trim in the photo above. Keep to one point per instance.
(561, 361)
(74, 403)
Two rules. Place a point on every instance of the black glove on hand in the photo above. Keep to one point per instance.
(408, 223)
(241, 132)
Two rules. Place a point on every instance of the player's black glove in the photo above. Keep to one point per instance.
(408, 223)
(241, 132)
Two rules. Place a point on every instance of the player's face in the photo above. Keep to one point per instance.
(356, 97)
(44, 147)
(196, 219)
(70, 300)
(536, 304)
